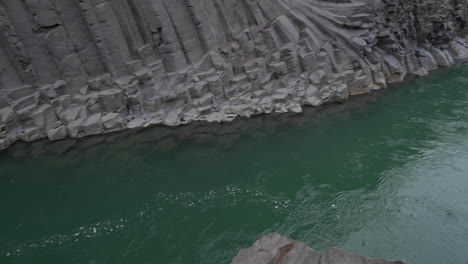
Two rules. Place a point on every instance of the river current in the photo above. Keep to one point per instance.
(383, 175)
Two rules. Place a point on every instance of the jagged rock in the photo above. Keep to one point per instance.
(26, 103)
(66, 63)
(274, 248)
(113, 122)
(20, 92)
(3, 143)
(136, 123)
(458, 49)
(440, 57)
(57, 133)
(30, 134)
(113, 100)
(73, 113)
(421, 72)
(51, 91)
(6, 115)
(92, 125)
(75, 127)
(426, 60)
(44, 116)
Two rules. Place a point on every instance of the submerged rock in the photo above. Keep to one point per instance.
(95, 67)
(277, 249)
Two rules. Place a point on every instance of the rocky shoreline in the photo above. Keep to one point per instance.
(70, 69)
(277, 249)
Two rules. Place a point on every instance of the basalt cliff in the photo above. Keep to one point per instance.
(73, 68)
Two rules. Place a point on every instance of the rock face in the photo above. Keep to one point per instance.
(276, 249)
(72, 68)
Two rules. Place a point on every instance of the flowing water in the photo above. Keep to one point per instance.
(384, 175)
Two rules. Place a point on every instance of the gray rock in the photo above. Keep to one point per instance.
(274, 248)
(3, 143)
(426, 60)
(92, 125)
(113, 100)
(136, 123)
(44, 116)
(74, 128)
(113, 122)
(6, 115)
(440, 57)
(176, 61)
(73, 113)
(30, 134)
(57, 133)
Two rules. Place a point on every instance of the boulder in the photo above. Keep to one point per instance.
(92, 125)
(73, 113)
(113, 121)
(441, 57)
(275, 249)
(44, 116)
(113, 100)
(74, 128)
(30, 134)
(136, 123)
(57, 133)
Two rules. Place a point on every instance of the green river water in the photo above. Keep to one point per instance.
(383, 175)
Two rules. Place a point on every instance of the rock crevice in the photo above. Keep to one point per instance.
(72, 68)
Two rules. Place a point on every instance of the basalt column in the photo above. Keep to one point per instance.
(73, 68)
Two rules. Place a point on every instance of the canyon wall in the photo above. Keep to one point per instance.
(73, 68)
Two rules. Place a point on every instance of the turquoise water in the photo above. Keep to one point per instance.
(384, 175)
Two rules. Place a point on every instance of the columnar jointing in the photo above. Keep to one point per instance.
(72, 68)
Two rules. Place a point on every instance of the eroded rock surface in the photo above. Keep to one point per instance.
(277, 249)
(72, 68)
